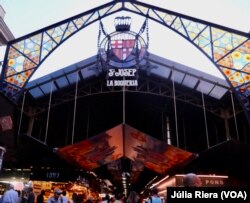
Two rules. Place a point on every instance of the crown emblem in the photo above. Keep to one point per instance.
(122, 23)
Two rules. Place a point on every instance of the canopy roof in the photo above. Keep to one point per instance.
(161, 67)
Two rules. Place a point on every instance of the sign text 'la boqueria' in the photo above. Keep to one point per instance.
(116, 74)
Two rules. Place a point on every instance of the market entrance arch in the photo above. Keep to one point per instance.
(227, 48)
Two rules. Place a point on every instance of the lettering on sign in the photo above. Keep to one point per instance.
(122, 77)
(53, 175)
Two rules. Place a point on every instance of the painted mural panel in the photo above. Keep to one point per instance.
(153, 153)
(95, 151)
(125, 141)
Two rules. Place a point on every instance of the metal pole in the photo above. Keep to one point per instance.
(123, 105)
(74, 116)
(235, 121)
(168, 132)
(175, 112)
(47, 123)
(21, 116)
(205, 119)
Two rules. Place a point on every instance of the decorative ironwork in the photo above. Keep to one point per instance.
(122, 48)
(122, 24)
(120, 52)
(227, 48)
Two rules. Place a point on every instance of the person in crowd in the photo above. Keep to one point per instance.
(154, 197)
(31, 195)
(19, 196)
(65, 199)
(112, 199)
(141, 199)
(24, 195)
(74, 198)
(119, 198)
(56, 197)
(133, 197)
(106, 199)
(10, 195)
(191, 180)
(40, 197)
(89, 200)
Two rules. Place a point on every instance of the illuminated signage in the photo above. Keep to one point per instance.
(121, 52)
(122, 77)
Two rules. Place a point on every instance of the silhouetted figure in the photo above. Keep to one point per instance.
(133, 197)
(40, 197)
(191, 180)
(65, 199)
(31, 195)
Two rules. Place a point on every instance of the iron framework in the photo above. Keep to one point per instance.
(227, 48)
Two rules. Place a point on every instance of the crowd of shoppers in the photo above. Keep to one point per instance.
(59, 196)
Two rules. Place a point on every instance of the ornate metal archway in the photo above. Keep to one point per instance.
(227, 48)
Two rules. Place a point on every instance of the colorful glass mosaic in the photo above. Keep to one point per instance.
(24, 56)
